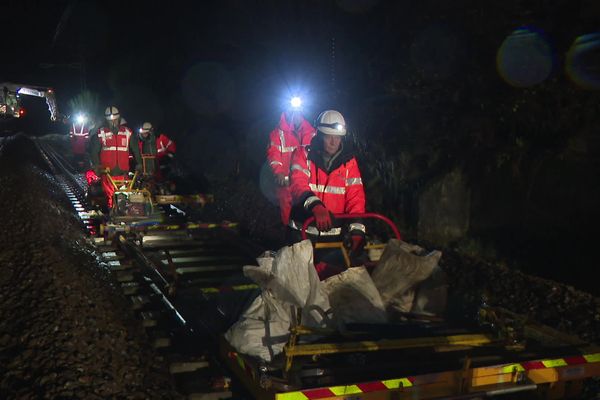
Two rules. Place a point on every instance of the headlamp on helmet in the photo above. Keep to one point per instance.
(296, 103)
(146, 127)
(331, 122)
(81, 119)
(111, 113)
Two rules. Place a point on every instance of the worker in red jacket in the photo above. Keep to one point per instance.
(79, 135)
(292, 132)
(155, 150)
(109, 151)
(325, 179)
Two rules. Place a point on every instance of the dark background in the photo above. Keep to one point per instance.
(470, 134)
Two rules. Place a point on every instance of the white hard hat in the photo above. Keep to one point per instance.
(331, 122)
(111, 113)
(146, 127)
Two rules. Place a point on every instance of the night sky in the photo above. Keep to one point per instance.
(242, 59)
(150, 57)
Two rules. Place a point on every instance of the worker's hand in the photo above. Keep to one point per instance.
(281, 179)
(357, 243)
(357, 255)
(322, 217)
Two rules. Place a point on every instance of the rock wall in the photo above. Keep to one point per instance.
(445, 209)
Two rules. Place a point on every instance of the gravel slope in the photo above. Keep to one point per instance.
(65, 330)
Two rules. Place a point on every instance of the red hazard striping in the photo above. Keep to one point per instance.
(575, 360)
(371, 386)
(318, 393)
(533, 365)
(411, 379)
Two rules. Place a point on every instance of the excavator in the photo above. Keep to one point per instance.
(10, 99)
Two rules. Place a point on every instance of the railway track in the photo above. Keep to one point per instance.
(183, 280)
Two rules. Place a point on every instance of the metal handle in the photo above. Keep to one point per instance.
(353, 216)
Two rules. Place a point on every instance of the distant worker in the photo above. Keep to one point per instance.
(293, 131)
(79, 135)
(155, 150)
(109, 151)
(325, 179)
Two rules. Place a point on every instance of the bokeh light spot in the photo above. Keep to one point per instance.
(525, 58)
(583, 61)
(267, 184)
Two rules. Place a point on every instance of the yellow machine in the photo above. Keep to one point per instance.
(129, 201)
(137, 207)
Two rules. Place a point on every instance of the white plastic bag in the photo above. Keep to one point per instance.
(263, 330)
(401, 268)
(288, 281)
(354, 297)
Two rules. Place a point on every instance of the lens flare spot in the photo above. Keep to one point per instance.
(525, 58)
(583, 61)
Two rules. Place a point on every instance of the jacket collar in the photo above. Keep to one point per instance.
(315, 154)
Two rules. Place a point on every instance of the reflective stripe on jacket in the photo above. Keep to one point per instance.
(340, 191)
(164, 145)
(114, 149)
(283, 142)
(79, 130)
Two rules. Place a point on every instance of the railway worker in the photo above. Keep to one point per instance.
(109, 151)
(325, 179)
(79, 135)
(155, 150)
(291, 132)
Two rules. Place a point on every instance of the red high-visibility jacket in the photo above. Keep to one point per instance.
(79, 135)
(79, 130)
(283, 141)
(114, 149)
(338, 187)
(164, 146)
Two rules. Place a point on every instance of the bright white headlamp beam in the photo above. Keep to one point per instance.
(296, 102)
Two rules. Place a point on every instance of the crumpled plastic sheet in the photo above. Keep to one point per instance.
(401, 268)
(354, 298)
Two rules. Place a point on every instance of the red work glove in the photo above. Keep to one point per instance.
(91, 177)
(322, 217)
(357, 255)
(358, 242)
